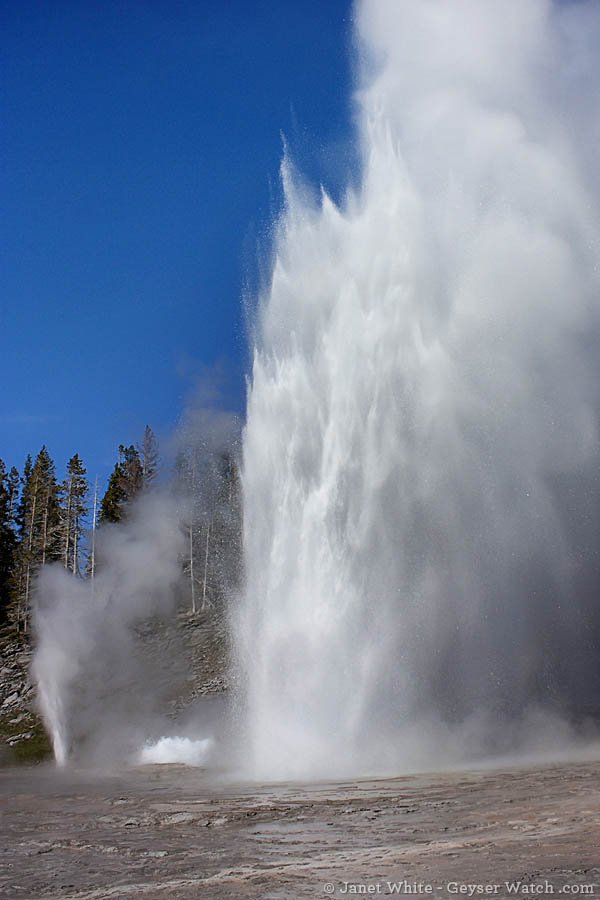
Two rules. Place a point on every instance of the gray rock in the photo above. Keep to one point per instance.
(17, 738)
(11, 700)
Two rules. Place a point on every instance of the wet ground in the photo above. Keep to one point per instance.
(171, 832)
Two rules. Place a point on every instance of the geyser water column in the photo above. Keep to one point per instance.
(422, 414)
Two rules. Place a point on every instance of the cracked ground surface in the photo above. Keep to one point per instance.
(169, 833)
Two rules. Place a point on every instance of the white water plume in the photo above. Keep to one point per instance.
(421, 448)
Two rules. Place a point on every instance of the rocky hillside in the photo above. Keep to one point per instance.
(198, 641)
(22, 735)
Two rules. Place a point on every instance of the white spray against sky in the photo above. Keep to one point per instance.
(421, 508)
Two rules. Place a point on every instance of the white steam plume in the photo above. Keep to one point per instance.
(100, 686)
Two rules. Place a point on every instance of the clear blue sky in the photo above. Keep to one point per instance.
(140, 154)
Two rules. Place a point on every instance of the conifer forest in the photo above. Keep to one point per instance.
(53, 517)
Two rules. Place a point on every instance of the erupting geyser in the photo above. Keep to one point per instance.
(421, 450)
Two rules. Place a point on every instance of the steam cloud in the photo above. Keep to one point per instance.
(421, 493)
(101, 687)
(112, 658)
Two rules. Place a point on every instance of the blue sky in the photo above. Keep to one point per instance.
(141, 150)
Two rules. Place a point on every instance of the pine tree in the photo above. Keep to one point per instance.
(25, 479)
(38, 530)
(73, 509)
(112, 501)
(7, 538)
(148, 454)
(132, 474)
(125, 482)
(12, 486)
(91, 562)
(21, 567)
(48, 537)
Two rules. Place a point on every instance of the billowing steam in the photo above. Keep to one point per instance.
(421, 458)
(114, 651)
(102, 687)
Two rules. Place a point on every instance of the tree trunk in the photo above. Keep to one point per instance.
(192, 568)
(93, 560)
(68, 525)
(205, 568)
(29, 552)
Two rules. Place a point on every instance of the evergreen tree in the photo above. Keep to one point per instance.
(47, 543)
(25, 479)
(132, 473)
(73, 509)
(7, 538)
(12, 486)
(148, 454)
(21, 567)
(90, 570)
(126, 480)
(38, 530)
(113, 499)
